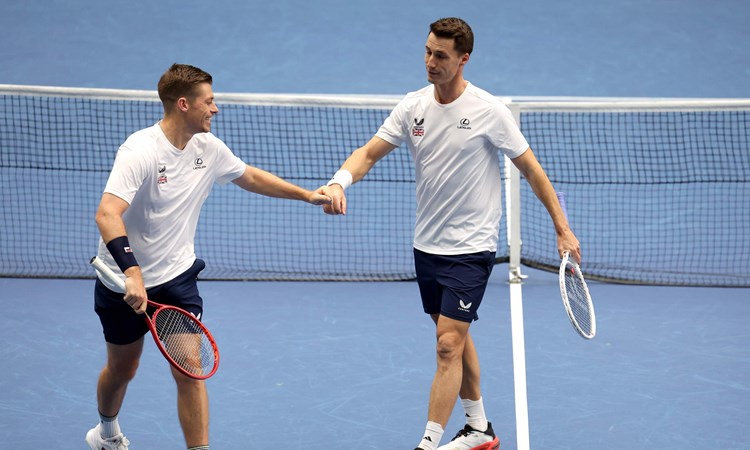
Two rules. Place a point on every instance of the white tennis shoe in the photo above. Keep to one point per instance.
(471, 439)
(97, 442)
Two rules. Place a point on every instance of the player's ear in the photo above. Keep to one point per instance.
(464, 59)
(182, 104)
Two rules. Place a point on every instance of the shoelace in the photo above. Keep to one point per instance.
(462, 433)
(120, 440)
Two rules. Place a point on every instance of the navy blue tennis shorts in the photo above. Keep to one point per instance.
(121, 325)
(453, 285)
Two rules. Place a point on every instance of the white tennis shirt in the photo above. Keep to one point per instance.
(165, 188)
(457, 166)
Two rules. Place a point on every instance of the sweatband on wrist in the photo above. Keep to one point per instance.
(120, 250)
(342, 177)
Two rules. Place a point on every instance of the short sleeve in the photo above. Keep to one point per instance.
(394, 127)
(127, 175)
(230, 166)
(503, 132)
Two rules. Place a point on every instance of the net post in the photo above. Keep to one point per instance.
(513, 220)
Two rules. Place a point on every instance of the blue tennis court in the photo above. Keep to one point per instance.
(347, 365)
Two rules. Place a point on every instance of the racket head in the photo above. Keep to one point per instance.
(576, 298)
(183, 340)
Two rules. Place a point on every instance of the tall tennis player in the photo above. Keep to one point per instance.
(454, 131)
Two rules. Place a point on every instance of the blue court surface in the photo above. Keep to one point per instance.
(324, 365)
(337, 365)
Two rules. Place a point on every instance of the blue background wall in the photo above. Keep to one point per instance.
(651, 48)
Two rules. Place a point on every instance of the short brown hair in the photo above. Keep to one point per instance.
(456, 29)
(180, 80)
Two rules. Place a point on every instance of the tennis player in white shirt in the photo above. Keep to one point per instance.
(147, 218)
(454, 131)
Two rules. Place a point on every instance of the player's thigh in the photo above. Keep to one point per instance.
(120, 324)
(453, 285)
(182, 290)
(427, 268)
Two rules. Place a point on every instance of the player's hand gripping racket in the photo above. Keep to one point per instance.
(575, 293)
(180, 336)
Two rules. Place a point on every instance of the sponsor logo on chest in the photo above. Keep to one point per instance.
(161, 170)
(417, 129)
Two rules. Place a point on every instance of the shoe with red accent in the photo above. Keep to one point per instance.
(471, 439)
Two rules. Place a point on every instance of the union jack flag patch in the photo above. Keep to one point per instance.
(418, 129)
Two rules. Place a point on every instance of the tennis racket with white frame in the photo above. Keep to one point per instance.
(575, 292)
(183, 340)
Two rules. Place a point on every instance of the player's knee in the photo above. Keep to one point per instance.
(450, 346)
(189, 387)
(184, 381)
(123, 370)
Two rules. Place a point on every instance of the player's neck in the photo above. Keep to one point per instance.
(450, 91)
(176, 134)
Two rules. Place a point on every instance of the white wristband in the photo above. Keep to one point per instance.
(343, 178)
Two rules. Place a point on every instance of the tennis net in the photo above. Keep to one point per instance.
(657, 191)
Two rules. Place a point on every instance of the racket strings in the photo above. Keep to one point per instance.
(184, 340)
(580, 306)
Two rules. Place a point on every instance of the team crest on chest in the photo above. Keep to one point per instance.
(162, 170)
(418, 129)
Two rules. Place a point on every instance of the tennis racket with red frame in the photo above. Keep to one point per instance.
(575, 292)
(183, 340)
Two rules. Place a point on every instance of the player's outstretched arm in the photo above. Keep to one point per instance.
(354, 169)
(265, 183)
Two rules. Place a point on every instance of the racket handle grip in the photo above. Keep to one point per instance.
(107, 273)
(563, 205)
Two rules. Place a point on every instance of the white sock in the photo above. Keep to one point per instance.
(475, 417)
(110, 427)
(432, 434)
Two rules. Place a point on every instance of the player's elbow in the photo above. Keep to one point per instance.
(100, 217)
(103, 217)
(248, 180)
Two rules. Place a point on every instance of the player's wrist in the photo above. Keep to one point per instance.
(120, 250)
(343, 178)
(134, 272)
